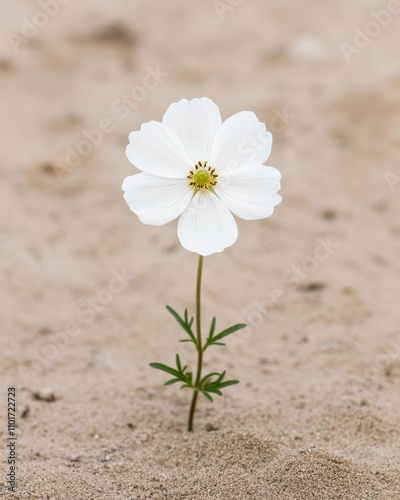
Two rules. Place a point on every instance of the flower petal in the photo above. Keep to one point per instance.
(156, 200)
(241, 140)
(154, 149)
(207, 226)
(195, 124)
(250, 192)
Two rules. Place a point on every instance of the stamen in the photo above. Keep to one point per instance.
(202, 176)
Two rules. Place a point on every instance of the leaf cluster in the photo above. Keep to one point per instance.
(186, 323)
(179, 374)
(212, 383)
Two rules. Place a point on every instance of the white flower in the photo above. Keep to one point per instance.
(196, 167)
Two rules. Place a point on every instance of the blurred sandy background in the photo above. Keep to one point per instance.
(316, 415)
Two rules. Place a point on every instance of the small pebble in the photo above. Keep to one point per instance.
(45, 330)
(116, 32)
(328, 214)
(25, 412)
(312, 287)
(45, 395)
(210, 427)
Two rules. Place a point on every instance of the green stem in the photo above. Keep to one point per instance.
(199, 344)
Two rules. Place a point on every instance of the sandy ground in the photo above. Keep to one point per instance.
(316, 415)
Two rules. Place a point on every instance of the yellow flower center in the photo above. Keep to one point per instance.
(202, 176)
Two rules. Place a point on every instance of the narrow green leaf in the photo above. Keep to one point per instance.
(178, 363)
(212, 328)
(188, 321)
(177, 317)
(214, 340)
(217, 381)
(214, 391)
(208, 396)
(229, 331)
(187, 340)
(184, 324)
(207, 377)
(228, 383)
(173, 381)
(164, 368)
